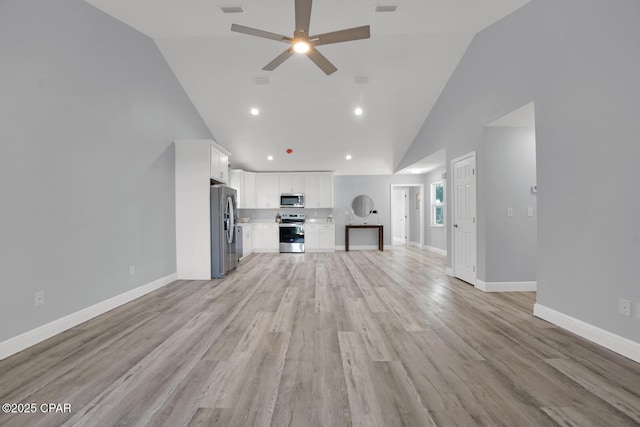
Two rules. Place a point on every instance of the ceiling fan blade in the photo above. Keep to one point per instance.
(321, 61)
(259, 33)
(279, 60)
(303, 16)
(356, 33)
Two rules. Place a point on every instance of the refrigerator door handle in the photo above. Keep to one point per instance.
(230, 220)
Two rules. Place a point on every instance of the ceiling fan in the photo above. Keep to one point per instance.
(301, 42)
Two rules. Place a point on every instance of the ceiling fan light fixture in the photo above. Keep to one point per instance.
(348, 157)
(358, 111)
(301, 46)
(255, 111)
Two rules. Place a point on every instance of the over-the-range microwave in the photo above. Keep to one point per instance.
(288, 200)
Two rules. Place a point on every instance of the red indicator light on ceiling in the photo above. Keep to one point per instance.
(289, 151)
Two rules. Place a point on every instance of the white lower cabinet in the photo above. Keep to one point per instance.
(247, 239)
(266, 238)
(319, 238)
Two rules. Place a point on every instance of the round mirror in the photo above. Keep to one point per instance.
(362, 205)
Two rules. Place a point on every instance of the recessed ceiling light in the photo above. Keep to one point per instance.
(269, 157)
(255, 111)
(358, 111)
(386, 8)
(232, 9)
(348, 157)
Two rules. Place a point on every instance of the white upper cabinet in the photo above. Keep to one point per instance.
(291, 183)
(249, 190)
(318, 192)
(267, 191)
(245, 185)
(262, 190)
(219, 164)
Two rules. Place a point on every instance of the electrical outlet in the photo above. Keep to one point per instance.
(39, 298)
(624, 307)
(132, 270)
(509, 212)
(529, 211)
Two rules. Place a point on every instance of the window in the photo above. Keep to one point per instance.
(437, 204)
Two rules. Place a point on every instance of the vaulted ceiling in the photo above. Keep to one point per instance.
(395, 76)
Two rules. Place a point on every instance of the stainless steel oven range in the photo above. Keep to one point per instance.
(292, 233)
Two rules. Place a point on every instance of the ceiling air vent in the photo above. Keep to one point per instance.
(362, 80)
(386, 8)
(232, 9)
(262, 80)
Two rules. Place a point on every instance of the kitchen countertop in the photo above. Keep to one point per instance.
(270, 221)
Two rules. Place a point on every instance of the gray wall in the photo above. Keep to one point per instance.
(509, 172)
(579, 60)
(436, 237)
(88, 112)
(378, 187)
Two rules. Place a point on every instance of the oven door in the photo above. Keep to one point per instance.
(291, 238)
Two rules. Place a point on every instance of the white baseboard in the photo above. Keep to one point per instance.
(609, 340)
(41, 333)
(415, 245)
(506, 286)
(449, 272)
(362, 247)
(436, 250)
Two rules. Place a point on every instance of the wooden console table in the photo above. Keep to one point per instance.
(380, 234)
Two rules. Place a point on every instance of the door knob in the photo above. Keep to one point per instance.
(455, 225)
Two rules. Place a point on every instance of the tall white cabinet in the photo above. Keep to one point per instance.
(197, 162)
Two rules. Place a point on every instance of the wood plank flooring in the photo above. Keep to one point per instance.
(345, 339)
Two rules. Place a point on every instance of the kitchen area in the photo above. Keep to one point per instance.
(223, 215)
(285, 212)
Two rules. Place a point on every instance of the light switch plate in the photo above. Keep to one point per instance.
(509, 212)
(529, 211)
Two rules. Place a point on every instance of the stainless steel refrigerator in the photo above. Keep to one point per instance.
(224, 251)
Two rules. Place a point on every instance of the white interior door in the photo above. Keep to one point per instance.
(399, 232)
(464, 218)
(405, 216)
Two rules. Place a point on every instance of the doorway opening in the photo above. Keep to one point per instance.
(509, 195)
(407, 215)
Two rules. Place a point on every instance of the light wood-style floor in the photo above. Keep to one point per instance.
(357, 338)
